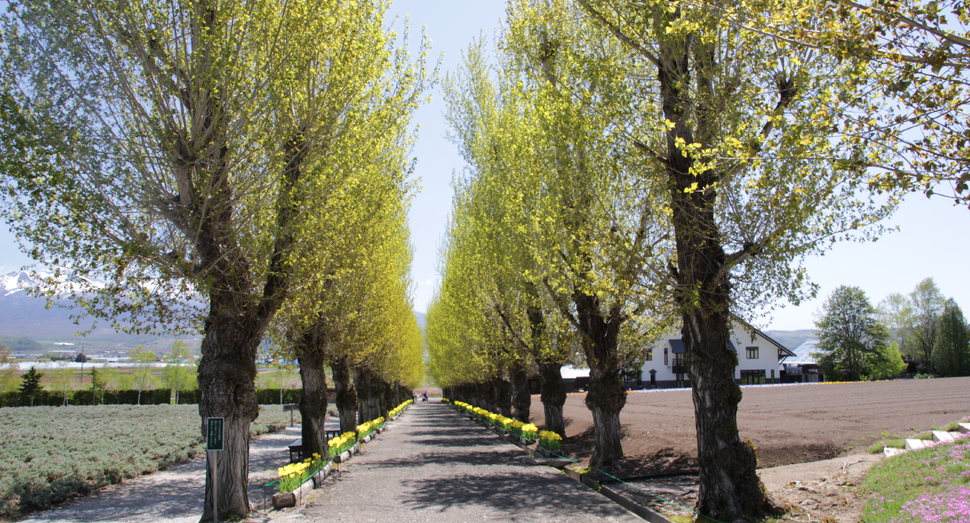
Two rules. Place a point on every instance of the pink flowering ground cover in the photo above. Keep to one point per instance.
(924, 486)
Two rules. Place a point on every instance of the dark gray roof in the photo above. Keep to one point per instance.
(677, 346)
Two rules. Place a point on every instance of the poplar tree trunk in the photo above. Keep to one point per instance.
(729, 487)
(239, 314)
(313, 403)
(481, 393)
(360, 383)
(227, 376)
(387, 398)
(367, 392)
(553, 390)
(381, 390)
(553, 397)
(521, 399)
(347, 403)
(606, 396)
(503, 397)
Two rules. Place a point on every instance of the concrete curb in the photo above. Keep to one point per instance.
(292, 499)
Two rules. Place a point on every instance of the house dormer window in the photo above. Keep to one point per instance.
(752, 352)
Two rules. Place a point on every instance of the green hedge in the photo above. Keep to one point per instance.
(130, 397)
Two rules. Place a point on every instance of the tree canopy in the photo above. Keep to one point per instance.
(912, 104)
(851, 340)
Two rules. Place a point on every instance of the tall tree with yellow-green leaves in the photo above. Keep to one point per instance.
(360, 238)
(345, 311)
(495, 213)
(737, 127)
(586, 232)
(177, 149)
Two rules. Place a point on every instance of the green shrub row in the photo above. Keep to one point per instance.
(52, 398)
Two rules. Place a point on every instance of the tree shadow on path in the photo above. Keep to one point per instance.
(539, 496)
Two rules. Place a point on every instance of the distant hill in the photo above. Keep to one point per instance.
(791, 339)
(27, 325)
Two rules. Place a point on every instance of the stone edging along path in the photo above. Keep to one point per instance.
(294, 498)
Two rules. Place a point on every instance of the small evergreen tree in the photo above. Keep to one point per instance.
(30, 386)
(98, 387)
(951, 348)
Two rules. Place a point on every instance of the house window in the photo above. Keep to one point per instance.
(678, 360)
(666, 361)
(753, 353)
(752, 377)
(650, 355)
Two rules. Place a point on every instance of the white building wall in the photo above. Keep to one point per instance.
(741, 337)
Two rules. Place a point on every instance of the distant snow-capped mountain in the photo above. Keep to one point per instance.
(26, 316)
(16, 281)
(20, 281)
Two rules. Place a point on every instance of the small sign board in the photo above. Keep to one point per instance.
(213, 440)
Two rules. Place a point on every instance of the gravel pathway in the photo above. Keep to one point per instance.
(432, 464)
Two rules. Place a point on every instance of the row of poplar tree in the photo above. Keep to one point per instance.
(237, 168)
(643, 166)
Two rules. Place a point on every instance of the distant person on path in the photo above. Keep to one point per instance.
(424, 397)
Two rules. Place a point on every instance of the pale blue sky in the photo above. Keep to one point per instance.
(931, 241)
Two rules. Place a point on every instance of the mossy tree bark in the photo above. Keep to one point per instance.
(346, 400)
(553, 397)
(521, 398)
(313, 403)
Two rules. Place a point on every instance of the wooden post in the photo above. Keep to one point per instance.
(214, 440)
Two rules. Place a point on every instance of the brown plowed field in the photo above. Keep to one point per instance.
(788, 424)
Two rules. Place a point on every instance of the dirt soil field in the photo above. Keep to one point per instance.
(788, 424)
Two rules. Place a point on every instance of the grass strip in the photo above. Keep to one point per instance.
(927, 485)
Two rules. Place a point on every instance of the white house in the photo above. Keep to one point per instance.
(760, 358)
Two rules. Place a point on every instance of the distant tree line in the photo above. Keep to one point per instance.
(921, 332)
